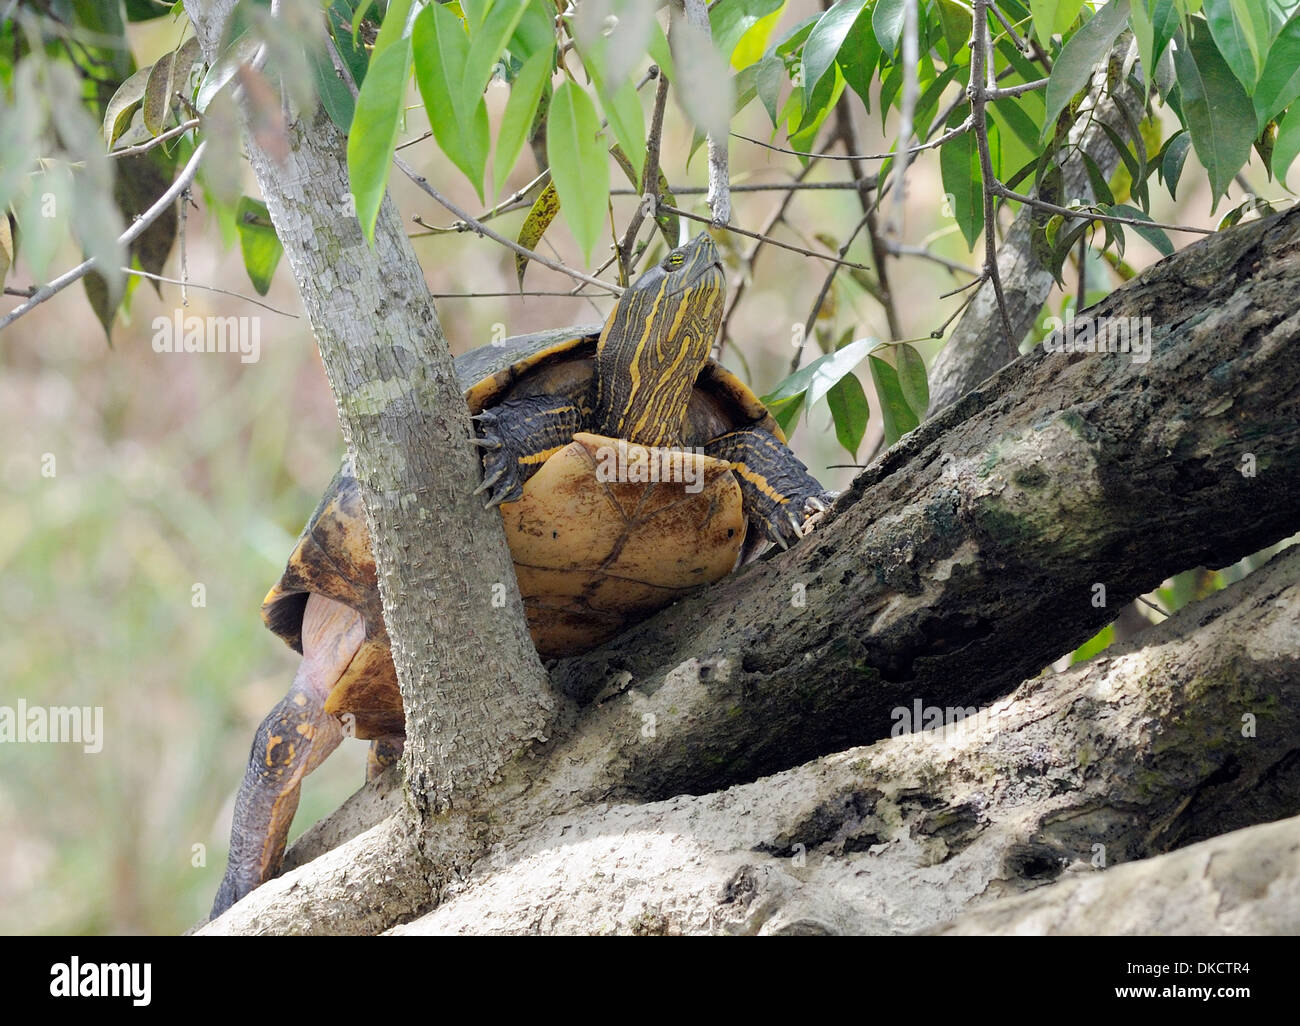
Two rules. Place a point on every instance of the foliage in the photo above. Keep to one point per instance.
(1225, 69)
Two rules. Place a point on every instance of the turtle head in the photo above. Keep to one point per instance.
(656, 342)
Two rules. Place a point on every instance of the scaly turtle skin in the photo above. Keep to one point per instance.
(630, 470)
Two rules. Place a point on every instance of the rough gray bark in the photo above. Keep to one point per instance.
(977, 347)
(1245, 882)
(1126, 757)
(473, 689)
(962, 562)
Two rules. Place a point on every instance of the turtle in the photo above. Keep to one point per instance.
(629, 468)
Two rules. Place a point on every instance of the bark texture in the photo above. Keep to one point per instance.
(1150, 747)
(959, 564)
(473, 689)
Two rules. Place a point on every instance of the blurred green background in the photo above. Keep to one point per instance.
(173, 471)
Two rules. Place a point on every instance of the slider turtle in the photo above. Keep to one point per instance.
(630, 469)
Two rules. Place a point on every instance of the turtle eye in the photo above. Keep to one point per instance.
(674, 261)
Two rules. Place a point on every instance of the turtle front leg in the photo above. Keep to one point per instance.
(291, 742)
(780, 495)
(518, 437)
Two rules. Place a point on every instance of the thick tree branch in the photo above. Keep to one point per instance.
(963, 562)
(1140, 751)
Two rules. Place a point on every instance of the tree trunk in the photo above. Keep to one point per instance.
(473, 688)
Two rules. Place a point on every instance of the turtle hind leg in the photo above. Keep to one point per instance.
(292, 741)
(384, 752)
(518, 436)
(780, 495)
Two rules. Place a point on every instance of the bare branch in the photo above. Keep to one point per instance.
(132, 233)
(980, 64)
(158, 140)
(481, 229)
(754, 235)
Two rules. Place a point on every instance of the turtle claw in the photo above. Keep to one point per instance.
(488, 482)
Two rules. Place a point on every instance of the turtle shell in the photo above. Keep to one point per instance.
(592, 555)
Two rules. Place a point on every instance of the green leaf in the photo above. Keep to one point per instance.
(912, 379)
(158, 95)
(820, 376)
(753, 44)
(440, 50)
(535, 31)
(239, 52)
(539, 218)
(820, 105)
(850, 412)
(393, 27)
(786, 411)
(335, 97)
(125, 102)
(521, 108)
(578, 166)
(258, 242)
(887, 21)
(486, 45)
(1053, 17)
(626, 119)
(1279, 83)
(1079, 56)
(1155, 236)
(1171, 164)
(1287, 145)
(373, 139)
(730, 20)
(768, 80)
(826, 40)
(955, 22)
(354, 57)
(1235, 29)
(1219, 114)
(959, 167)
(859, 55)
(896, 415)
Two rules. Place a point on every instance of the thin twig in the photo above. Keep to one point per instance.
(157, 140)
(751, 258)
(948, 136)
(1020, 44)
(978, 280)
(795, 186)
(1085, 215)
(821, 296)
(649, 184)
(766, 238)
(208, 288)
(515, 201)
(921, 252)
(980, 65)
(847, 131)
(1015, 90)
(911, 91)
(412, 142)
(938, 332)
(479, 228)
(509, 295)
(695, 13)
(133, 232)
